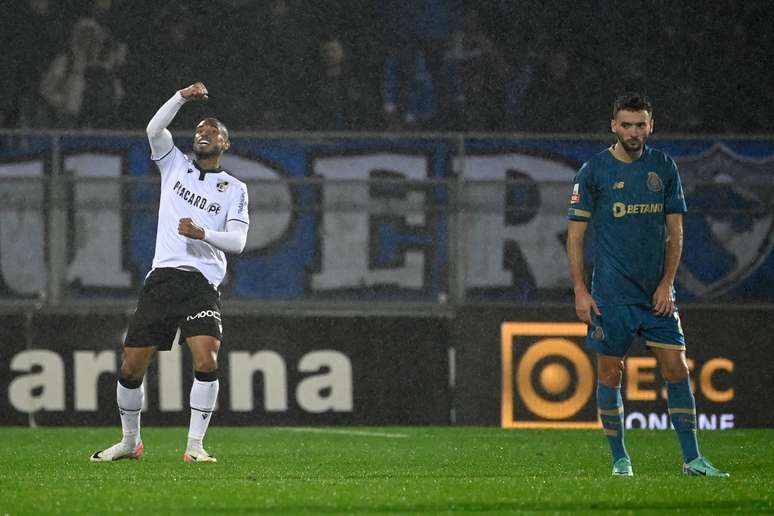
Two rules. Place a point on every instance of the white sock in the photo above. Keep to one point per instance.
(129, 406)
(204, 395)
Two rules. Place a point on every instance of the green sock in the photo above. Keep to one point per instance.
(611, 413)
(682, 412)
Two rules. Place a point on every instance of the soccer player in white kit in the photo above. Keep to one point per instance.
(203, 213)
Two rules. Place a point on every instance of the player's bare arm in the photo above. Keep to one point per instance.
(584, 303)
(663, 299)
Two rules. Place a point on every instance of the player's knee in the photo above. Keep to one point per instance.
(674, 371)
(134, 363)
(131, 372)
(206, 363)
(610, 372)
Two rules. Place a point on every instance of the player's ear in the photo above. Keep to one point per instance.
(652, 125)
(612, 125)
(226, 145)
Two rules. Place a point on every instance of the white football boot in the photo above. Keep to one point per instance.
(198, 455)
(119, 451)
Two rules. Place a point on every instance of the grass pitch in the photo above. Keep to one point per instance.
(367, 470)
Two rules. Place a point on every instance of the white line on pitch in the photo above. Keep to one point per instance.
(345, 432)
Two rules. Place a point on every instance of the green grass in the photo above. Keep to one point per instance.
(428, 471)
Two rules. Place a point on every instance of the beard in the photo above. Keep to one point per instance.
(632, 144)
(206, 152)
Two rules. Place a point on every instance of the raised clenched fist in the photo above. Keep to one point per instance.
(196, 91)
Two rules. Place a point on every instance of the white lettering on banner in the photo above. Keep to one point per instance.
(243, 365)
(270, 200)
(310, 393)
(170, 379)
(22, 236)
(90, 365)
(98, 227)
(41, 384)
(345, 233)
(653, 421)
(486, 232)
(39, 390)
(338, 380)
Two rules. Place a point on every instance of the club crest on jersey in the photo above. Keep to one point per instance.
(222, 186)
(654, 182)
(575, 197)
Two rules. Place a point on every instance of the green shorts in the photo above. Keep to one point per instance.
(613, 332)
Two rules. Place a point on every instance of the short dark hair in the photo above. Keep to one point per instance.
(632, 101)
(217, 123)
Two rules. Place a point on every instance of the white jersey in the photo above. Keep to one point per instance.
(210, 199)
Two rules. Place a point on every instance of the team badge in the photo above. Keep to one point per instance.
(736, 228)
(575, 197)
(654, 182)
(618, 186)
(222, 186)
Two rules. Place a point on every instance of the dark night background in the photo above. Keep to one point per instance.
(436, 65)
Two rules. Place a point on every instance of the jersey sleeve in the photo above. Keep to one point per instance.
(581, 200)
(674, 200)
(239, 208)
(171, 160)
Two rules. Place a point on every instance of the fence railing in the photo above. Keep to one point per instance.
(366, 223)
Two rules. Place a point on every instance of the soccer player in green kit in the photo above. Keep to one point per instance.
(632, 196)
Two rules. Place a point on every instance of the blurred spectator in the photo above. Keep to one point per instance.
(81, 85)
(481, 74)
(416, 33)
(32, 34)
(554, 103)
(150, 79)
(336, 100)
(504, 66)
(277, 50)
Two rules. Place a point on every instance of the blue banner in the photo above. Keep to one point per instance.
(376, 219)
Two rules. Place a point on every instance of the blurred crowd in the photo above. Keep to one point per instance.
(397, 65)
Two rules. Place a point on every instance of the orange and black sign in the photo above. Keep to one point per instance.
(548, 380)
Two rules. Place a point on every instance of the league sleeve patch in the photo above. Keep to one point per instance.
(575, 197)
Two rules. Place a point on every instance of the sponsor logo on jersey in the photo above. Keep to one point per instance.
(204, 313)
(575, 197)
(654, 182)
(192, 198)
(242, 202)
(620, 209)
(222, 186)
(618, 186)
